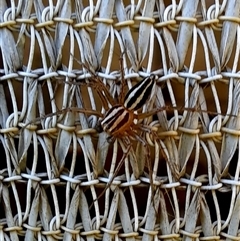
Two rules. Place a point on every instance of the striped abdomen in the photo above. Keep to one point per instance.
(139, 93)
(117, 120)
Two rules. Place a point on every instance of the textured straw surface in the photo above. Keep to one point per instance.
(179, 178)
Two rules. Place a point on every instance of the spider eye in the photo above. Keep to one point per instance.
(98, 127)
(111, 139)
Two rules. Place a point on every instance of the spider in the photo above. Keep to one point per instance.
(121, 120)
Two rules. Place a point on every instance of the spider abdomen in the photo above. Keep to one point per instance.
(139, 93)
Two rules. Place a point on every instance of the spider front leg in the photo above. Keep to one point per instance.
(134, 133)
(113, 173)
(152, 136)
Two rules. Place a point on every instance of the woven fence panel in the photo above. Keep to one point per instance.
(172, 173)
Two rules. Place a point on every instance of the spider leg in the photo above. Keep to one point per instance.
(114, 175)
(103, 93)
(152, 112)
(84, 111)
(74, 109)
(138, 137)
(100, 87)
(123, 81)
(153, 132)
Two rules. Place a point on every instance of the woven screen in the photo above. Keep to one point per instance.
(171, 172)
